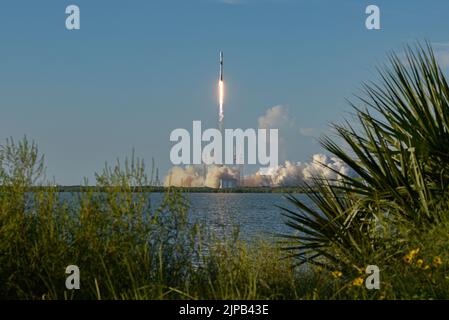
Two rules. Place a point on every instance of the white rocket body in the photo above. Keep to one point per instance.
(221, 65)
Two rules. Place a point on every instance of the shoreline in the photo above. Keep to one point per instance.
(153, 189)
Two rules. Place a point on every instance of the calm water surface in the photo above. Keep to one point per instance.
(256, 214)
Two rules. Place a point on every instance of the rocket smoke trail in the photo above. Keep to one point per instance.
(221, 94)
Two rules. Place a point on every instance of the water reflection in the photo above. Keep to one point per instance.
(255, 214)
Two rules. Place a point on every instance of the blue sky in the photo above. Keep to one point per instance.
(139, 69)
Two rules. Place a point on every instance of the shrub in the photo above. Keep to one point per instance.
(398, 153)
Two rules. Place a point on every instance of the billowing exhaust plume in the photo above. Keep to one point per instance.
(199, 176)
(290, 174)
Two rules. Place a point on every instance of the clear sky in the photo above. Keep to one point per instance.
(139, 69)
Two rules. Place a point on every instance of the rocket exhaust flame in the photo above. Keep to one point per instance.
(221, 100)
(221, 93)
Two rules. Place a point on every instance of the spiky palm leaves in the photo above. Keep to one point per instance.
(399, 154)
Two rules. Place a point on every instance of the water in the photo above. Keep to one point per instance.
(256, 214)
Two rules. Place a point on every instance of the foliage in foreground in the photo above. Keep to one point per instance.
(397, 151)
(127, 248)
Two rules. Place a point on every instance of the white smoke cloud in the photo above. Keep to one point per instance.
(199, 176)
(190, 176)
(279, 117)
(276, 117)
(289, 174)
(292, 174)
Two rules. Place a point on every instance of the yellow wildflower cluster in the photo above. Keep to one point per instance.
(337, 274)
(419, 262)
(357, 282)
(409, 257)
(437, 261)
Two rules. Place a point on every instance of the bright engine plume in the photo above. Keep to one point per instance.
(221, 93)
(221, 99)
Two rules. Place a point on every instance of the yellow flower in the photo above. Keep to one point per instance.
(357, 282)
(426, 267)
(437, 261)
(337, 274)
(419, 262)
(408, 259)
(411, 255)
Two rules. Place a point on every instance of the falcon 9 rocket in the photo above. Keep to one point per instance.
(221, 94)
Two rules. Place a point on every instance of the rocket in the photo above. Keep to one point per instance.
(221, 65)
(221, 93)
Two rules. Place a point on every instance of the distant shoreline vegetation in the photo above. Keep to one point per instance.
(154, 189)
